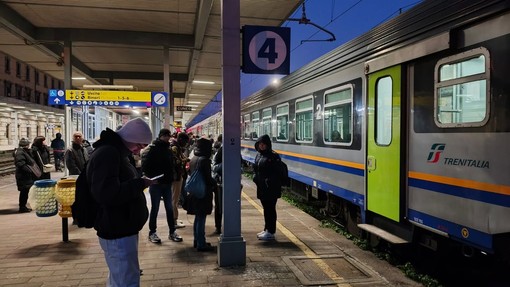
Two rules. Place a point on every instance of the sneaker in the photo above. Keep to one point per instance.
(261, 233)
(154, 238)
(180, 224)
(267, 236)
(175, 237)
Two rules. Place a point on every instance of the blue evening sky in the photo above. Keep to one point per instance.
(346, 19)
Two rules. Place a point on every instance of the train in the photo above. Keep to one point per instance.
(401, 132)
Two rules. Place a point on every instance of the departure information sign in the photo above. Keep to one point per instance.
(107, 98)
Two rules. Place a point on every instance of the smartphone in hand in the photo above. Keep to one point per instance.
(157, 176)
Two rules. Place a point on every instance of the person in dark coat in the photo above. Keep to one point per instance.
(59, 147)
(76, 155)
(159, 160)
(203, 206)
(118, 189)
(41, 155)
(217, 166)
(269, 187)
(24, 176)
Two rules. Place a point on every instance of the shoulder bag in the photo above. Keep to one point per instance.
(46, 167)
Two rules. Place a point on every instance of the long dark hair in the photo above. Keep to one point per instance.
(38, 141)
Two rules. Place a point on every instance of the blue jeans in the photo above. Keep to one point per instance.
(156, 191)
(121, 256)
(199, 230)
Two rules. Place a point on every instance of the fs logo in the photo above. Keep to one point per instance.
(435, 152)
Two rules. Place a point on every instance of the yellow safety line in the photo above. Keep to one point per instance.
(307, 251)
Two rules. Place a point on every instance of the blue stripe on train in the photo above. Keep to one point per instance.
(463, 192)
(471, 236)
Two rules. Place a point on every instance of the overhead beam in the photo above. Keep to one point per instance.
(137, 75)
(115, 37)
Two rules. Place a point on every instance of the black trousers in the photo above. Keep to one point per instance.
(269, 215)
(23, 196)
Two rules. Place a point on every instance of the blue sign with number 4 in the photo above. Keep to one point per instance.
(266, 50)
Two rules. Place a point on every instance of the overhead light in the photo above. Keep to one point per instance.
(193, 106)
(194, 102)
(78, 78)
(275, 82)
(136, 112)
(203, 82)
(111, 87)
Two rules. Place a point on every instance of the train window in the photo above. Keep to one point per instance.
(255, 119)
(462, 89)
(337, 127)
(304, 120)
(383, 111)
(247, 128)
(282, 122)
(266, 122)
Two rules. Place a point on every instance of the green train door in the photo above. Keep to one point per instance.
(383, 143)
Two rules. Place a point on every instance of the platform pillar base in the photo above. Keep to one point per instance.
(231, 251)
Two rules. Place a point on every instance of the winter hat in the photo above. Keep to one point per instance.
(164, 132)
(24, 142)
(136, 131)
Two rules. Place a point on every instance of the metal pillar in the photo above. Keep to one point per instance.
(231, 247)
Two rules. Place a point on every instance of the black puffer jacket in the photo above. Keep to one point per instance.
(115, 185)
(266, 171)
(202, 161)
(159, 160)
(24, 176)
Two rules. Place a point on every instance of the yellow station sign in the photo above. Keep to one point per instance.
(124, 96)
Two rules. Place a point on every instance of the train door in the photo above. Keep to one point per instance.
(384, 143)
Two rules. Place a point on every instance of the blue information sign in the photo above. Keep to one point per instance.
(56, 97)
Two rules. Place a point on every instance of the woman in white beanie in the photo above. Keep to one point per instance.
(118, 189)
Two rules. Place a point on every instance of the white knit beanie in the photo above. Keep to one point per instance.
(136, 131)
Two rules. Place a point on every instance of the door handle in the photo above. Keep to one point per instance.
(371, 166)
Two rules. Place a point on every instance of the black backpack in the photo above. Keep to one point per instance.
(283, 171)
(84, 208)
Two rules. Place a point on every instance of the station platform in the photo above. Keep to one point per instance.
(33, 253)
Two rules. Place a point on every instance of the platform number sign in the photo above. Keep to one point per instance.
(266, 50)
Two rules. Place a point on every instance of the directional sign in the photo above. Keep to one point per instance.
(80, 95)
(266, 50)
(183, 109)
(56, 97)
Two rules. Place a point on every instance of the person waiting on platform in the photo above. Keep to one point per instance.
(24, 175)
(41, 155)
(269, 187)
(156, 161)
(76, 156)
(59, 147)
(201, 207)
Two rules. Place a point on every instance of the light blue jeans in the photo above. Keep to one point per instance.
(122, 259)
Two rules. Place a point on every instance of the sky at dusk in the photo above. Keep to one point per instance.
(346, 19)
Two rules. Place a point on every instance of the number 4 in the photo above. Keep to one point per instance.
(268, 50)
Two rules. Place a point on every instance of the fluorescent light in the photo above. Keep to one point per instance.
(203, 82)
(112, 87)
(136, 112)
(194, 102)
(193, 106)
(78, 78)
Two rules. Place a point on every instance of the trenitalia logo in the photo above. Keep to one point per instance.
(435, 152)
(438, 148)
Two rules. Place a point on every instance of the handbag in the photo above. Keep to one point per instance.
(35, 169)
(48, 167)
(195, 184)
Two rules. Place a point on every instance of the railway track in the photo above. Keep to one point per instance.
(7, 166)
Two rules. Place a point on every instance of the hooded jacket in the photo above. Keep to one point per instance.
(115, 185)
(202, 161)
(266, 171)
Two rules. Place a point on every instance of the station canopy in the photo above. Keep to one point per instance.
(119, 42)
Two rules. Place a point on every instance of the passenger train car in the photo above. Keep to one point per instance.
(403, 131)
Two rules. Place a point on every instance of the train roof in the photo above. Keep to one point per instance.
(422, 21)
